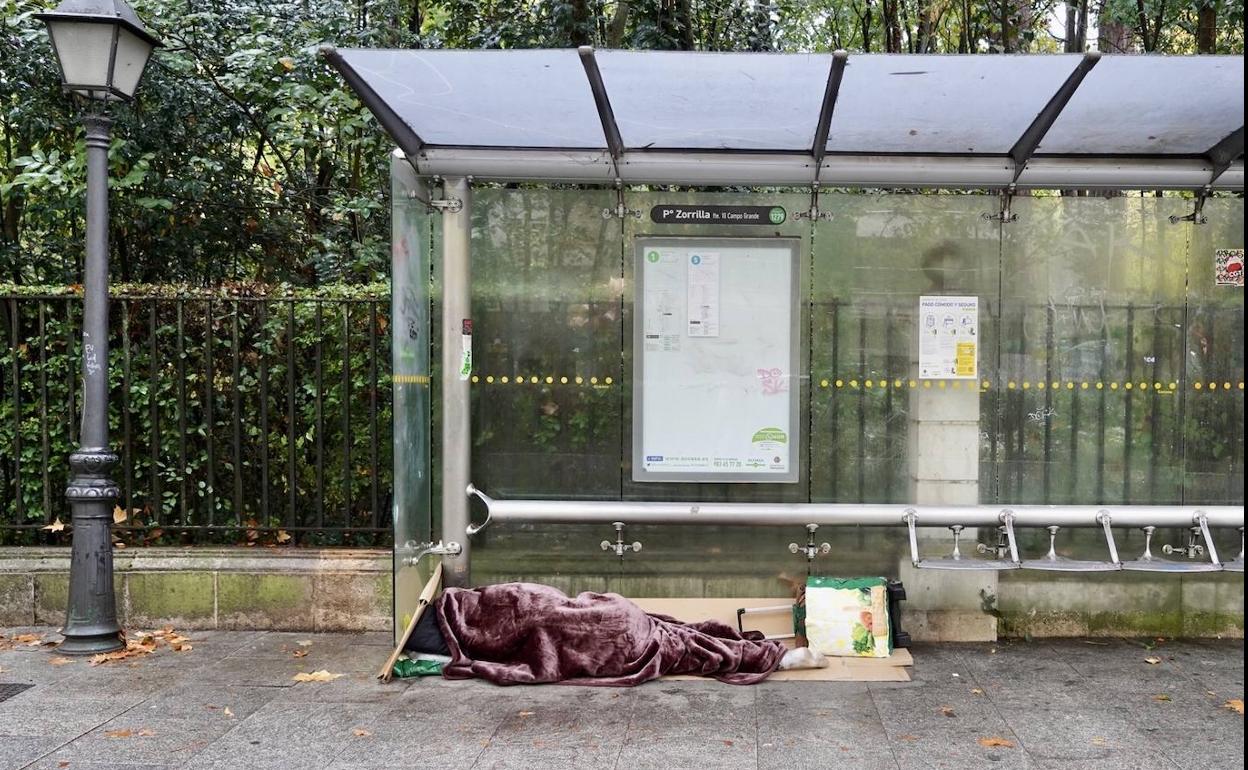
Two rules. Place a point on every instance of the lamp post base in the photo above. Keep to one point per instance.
(91, 645)
(91, 619)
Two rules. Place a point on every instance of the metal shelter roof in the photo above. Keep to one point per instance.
(887, 120)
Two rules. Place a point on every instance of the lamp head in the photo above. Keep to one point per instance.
(101, 46)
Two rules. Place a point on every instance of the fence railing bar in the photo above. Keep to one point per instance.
(236, 405)
(319, 399)
(346, 417)
(45, 452)
(890, 430)
(1048, 403)
(292, 483)
(19, 504)
(263, 349)
(1127, 421)
(210, 421)
(835, 407)
(1072, 466)
(184, 470)
(372, 414)
(1100, 416)
(126, 372)
(157, 501)
(1155, 406)
(862, 411)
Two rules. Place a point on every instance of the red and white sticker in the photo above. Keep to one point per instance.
(1228, 267)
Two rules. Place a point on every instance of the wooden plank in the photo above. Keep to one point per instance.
(426, 596)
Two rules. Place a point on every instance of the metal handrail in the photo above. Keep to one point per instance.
(850, 514)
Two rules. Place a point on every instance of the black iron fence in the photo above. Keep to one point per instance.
(239, 419)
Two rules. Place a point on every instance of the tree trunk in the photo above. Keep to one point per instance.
(578, 32)
(1207, 28)
(1005, 26)
(615, 30)
(685, 24)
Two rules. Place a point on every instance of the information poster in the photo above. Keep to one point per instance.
(715, 392)
(948, 338)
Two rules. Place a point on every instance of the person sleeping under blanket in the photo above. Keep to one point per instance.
(524, 633)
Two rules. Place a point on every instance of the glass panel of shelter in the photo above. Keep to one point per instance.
(739, 101)
(1213, 458)
(879, 431)
(486, 98)
(942, 104)
(1092, 360)
(413, 227)
(553, 299)
(545, 383)
(1158, 93)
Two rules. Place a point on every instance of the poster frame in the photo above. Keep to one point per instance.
(643, 242)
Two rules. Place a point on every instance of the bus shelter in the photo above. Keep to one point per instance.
(672, 323)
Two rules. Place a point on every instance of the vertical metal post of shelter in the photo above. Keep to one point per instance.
(456, 208)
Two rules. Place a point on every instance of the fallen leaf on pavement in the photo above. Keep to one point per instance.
(1162, 698)
(61, 661)
(907, 737)
(227, 712)
(947, 711)
(119, 734)
(62, 763)
(32, 640)
(1152, 661)
(1, 669)
(727, 743)
(305, 643)
(976, 691)
(300, 653)
(146, 733)
(283, 536)
(526, 713)
(1098, 740)
(360, 732)
(1236, 705)
(995, 742)
(316, 676)
(56, 526)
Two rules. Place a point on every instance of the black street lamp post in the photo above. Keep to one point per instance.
(102, 49)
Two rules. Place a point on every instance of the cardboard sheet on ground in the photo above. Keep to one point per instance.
(890, 669)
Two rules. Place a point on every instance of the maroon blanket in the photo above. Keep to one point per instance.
(522, 633)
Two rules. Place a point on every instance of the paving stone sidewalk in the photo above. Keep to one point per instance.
(231, 702)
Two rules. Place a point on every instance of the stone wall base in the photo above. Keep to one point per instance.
(212, 588)
(351, 590)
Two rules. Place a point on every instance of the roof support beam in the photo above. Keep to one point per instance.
(820, 146)
(1022, 150)
(715, 169)
(1224, 153)
(403, 135)
(615, 145)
